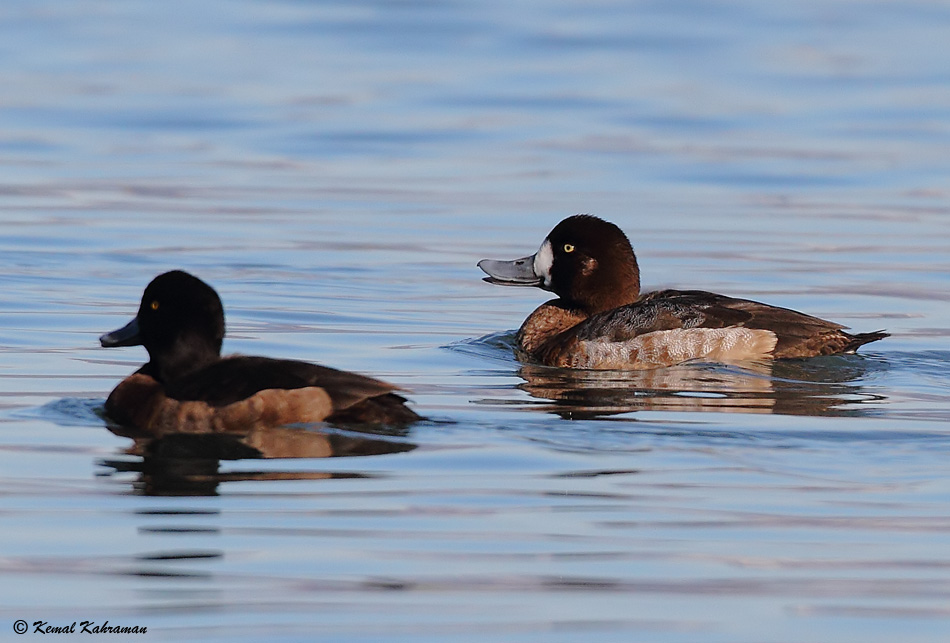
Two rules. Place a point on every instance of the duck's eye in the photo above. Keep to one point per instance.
(568, 247)
(154, 304)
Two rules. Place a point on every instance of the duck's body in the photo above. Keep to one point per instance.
(188, 387)
(601, 321)
(671, 326)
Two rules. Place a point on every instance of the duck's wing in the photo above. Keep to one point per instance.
(236, 378)
(672, 309)
(797, 334)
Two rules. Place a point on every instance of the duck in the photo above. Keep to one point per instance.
(187, 386)
(601, 320)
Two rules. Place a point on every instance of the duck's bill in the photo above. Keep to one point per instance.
(128, 335)
(519, 272)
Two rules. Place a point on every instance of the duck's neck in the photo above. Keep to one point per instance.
(546, 322)
(625, 292)
(186, 355)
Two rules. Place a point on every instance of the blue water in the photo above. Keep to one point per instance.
(336, 170)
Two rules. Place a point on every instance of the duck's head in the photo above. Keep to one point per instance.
(180, 323)
(586, 261)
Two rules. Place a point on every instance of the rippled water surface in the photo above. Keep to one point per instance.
(335, 170)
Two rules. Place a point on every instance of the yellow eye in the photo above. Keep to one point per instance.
(568, 247)
(154, 304)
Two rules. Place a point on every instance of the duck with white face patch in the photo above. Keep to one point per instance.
(601, 321)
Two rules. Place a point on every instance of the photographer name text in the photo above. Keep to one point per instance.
(87, 627)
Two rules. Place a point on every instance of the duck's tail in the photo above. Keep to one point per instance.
(860, 339)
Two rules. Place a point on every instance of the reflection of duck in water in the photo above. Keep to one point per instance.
(187, 387)
(823, 387)
(601, 321)
(189, 463)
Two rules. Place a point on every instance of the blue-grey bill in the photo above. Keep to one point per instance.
(128, 335)
(519, 272)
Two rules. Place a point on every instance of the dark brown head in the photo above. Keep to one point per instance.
(180, 323)
(586, 261)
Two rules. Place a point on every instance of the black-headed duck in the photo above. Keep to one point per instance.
(601, 321)
(187, 386)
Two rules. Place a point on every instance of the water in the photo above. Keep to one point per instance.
(335, 170)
